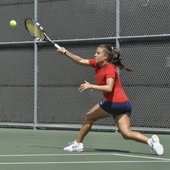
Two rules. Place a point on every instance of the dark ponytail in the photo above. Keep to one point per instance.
(117, 61)
(114, 56)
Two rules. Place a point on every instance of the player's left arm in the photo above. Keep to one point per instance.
(104, 88)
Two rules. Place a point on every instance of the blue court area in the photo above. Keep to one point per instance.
(43, 150)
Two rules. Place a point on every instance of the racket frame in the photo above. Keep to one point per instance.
(46, 37)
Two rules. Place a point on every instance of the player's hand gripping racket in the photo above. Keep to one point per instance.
(37, 31)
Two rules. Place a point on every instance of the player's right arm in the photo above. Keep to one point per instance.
(77, 59)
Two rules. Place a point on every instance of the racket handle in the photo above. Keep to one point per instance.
(57, 46)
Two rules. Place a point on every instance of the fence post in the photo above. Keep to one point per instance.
(117, 23)
(35, 68)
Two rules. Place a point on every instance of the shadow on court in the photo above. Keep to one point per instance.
(105, 150)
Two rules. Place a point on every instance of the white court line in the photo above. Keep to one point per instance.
(143, 157)
(152, 159)
(84, 154)
(77, 162)
(46, 155)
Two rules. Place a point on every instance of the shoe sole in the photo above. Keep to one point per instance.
(80, 150)
(158, 148)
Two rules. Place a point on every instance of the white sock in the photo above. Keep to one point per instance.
(77, 142)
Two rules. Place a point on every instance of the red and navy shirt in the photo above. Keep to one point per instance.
(109, 71)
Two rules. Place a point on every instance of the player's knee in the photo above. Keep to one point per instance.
(126, 135)
(90, 118)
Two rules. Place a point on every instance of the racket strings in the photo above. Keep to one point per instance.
(35, 30)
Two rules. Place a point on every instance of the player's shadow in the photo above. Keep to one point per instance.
(96, 150)
(102, 150)
(118, 151)
(105, 150)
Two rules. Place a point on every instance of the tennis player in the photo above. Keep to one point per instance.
(115, 103)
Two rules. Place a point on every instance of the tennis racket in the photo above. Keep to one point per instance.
(36, 30)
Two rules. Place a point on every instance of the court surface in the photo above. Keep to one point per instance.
(43, 150)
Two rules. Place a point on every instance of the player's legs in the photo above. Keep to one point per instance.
(123, 123)
(93, 115)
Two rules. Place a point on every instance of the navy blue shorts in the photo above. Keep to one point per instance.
(116, 108)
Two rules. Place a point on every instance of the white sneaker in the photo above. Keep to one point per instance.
(74, 147)
(155, 145)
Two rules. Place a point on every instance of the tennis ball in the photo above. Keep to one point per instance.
(13, 23)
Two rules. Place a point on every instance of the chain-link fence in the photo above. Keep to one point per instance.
(38, 86)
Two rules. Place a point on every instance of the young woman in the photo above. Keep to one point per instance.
(107, 63)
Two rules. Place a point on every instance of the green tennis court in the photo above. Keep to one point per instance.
(43, 150)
